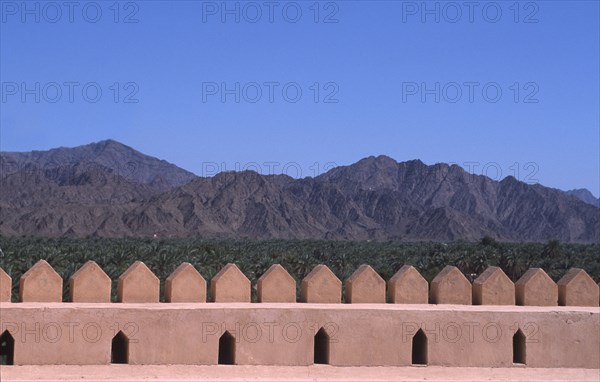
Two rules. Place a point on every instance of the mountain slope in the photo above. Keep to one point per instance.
(122, 160)
(375, 198)
(80, 200)
(585, 195)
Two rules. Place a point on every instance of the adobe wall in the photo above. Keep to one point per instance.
(367, 332)
(283, 334)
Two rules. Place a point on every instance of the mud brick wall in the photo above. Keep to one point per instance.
(492, 322)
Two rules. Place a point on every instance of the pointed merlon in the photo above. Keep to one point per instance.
(450, 286)
(90, 284)
(5, 286)
(230, 285)
(41, 283)
(138, 285)
(185, 284)
(536, 288)
(365, 286)
(576, 288)
(493, 287)
(321, 286)
(407, 286)
(276, 285)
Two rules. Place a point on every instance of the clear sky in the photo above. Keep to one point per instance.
(199, 83)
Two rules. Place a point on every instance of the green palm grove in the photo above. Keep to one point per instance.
(297, 256)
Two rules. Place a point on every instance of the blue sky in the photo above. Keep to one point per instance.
(398, 78)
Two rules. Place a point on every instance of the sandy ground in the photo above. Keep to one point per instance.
(282, 373)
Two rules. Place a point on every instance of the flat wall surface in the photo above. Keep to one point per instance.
(284, 334)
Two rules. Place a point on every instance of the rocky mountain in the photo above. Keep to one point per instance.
(120, 159)
(375, 198)
(80, 200)
(585, 195)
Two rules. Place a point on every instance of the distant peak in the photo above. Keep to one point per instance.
(384, 158)
(417, 162)
(580, 191)
(509, 179)
(378, 161)
(111, 145)
(584, 195)
(376, 164)
(109, 142)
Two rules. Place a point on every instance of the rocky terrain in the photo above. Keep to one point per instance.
(585, 195)
(111, 190)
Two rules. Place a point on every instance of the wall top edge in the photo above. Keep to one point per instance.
(296, 307)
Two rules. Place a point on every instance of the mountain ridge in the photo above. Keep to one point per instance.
(123, 160)
(376, 198)
(585, 195)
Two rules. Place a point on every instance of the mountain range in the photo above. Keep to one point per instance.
(108, 189)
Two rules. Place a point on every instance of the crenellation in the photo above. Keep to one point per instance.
(577, 288)
(185, 284)
(90, 284)
(138, 285)
(406, 331)
(407, 286)
(365, 286)
(321, 285)
(450, 286)
(536, 288)
(230, 285)
(5, 286)
(276, 285)
(493, 287)
(41, 283)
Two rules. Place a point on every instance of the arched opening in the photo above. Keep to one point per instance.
(321, 354)
(7, 349)
(119, 352)
(227, 349)
(519, 356)
(419, 348)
